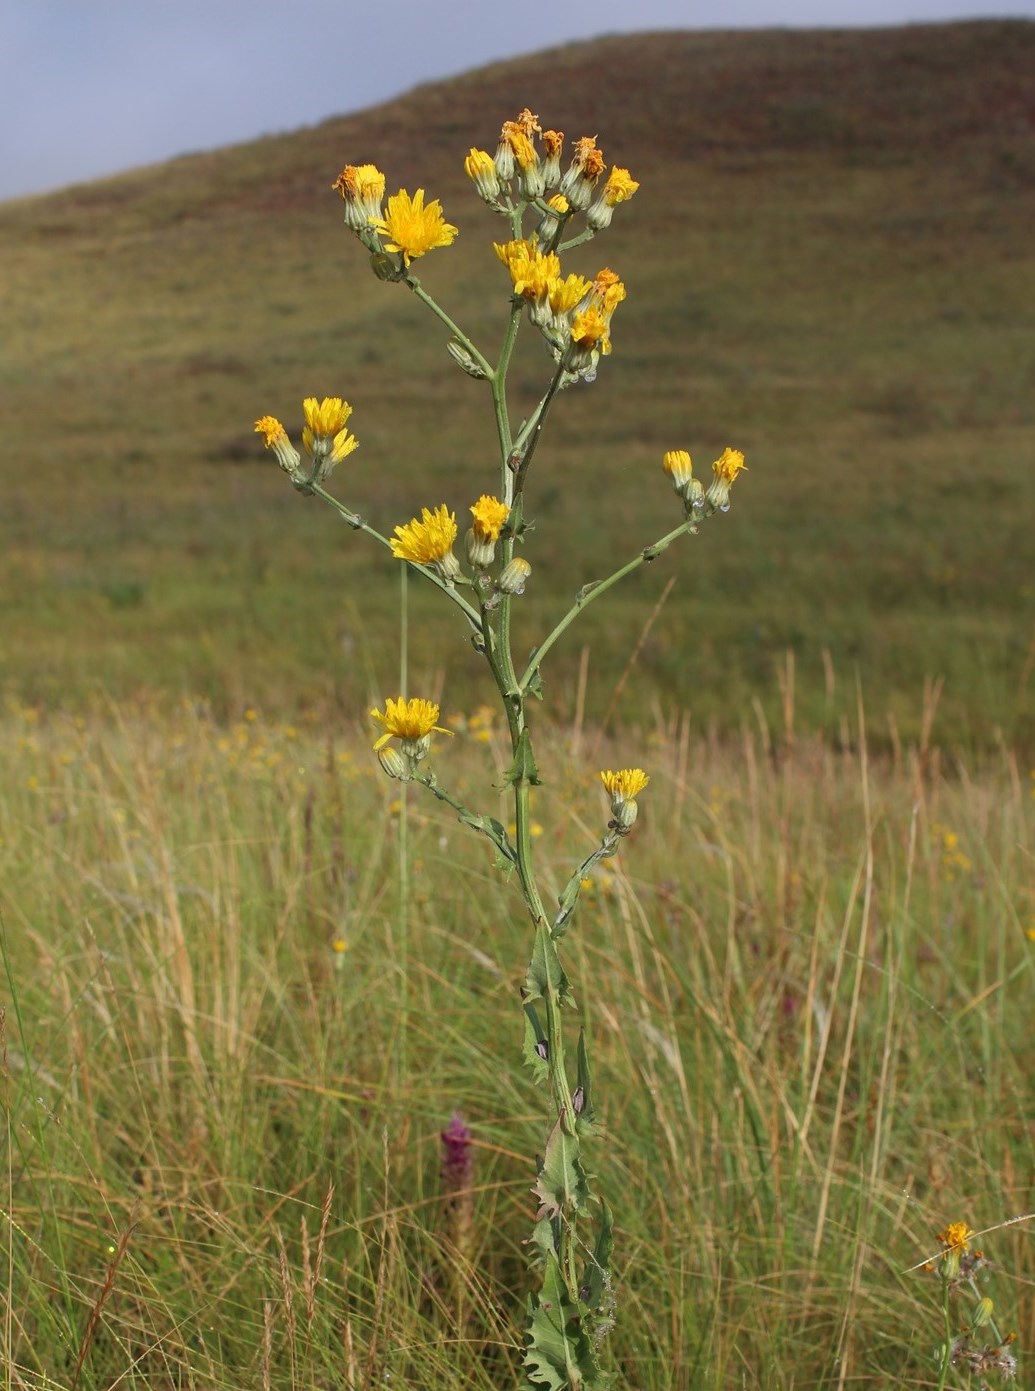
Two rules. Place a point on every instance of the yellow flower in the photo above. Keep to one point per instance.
(412, 228)
(324, 434)
(956, 1237)
(622, 787)
(553, 141)
(429, 540)
(531, 270)
(725, 469)
(489, 515)
(589, 331)
(618, 189)
(362, 187)
(677, 464)
(409, 720)
(624, 784)
(480, 169)
(275, 437)
(566, 294)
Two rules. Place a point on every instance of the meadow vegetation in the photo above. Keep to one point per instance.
(813, 962)
(825, 964)
(829, 263)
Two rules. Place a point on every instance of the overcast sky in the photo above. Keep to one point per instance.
(91, 87)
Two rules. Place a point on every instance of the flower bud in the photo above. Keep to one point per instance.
(394, 764)
(463, 359)
(513, 576)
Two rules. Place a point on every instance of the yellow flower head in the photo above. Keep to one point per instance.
(523, 149)
(729, 464)
(481, 170)
(324, 434)
(625, 784)
(956, 1237)
(725, 470)
(408, 720)
(619, 187)
(362, 187)
(489, 515)
(566, 294)
(412, 228)
(677, 464)
(531, 270)
(589, 331)
(427, 541)
(275, 437)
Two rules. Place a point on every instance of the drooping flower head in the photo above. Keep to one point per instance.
(411, 228)
(429, 541)
(324, 435)
(362, 187)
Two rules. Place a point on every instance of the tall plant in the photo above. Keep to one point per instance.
(571, 1307)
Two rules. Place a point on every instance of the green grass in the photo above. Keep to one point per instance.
(807, 979)
(829, 264)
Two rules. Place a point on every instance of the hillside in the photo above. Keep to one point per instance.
(830, 265)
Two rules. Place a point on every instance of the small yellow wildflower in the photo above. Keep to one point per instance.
(429, 540)
(625, 783)
(480, 169)
(275, 437)
(618, 189)
(411, 228)
(956, 1236)
(362, 187)
(489, 515)
(566, 294)
(725, 469)
(679, 467)
(531, 270)
(324, 435)
(410, 720)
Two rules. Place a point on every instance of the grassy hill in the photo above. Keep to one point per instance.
(830, 265)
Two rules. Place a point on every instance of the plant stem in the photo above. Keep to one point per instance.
(587, 595)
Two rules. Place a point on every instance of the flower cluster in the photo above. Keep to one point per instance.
(407, 228)
(698, 501)
(573, 314)
(325, 438)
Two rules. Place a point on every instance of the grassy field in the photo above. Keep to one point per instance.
(807, 978)
(232, 1030)
(829, 265)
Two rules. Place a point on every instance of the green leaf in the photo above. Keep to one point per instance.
(523, 769)
(596, 1285)
(534, 684)
(536, 1048)
(545, 974)
(584, 1087)
(562, 1187)
(558, 1353)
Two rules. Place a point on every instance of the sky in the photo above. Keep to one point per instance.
(92, 87)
